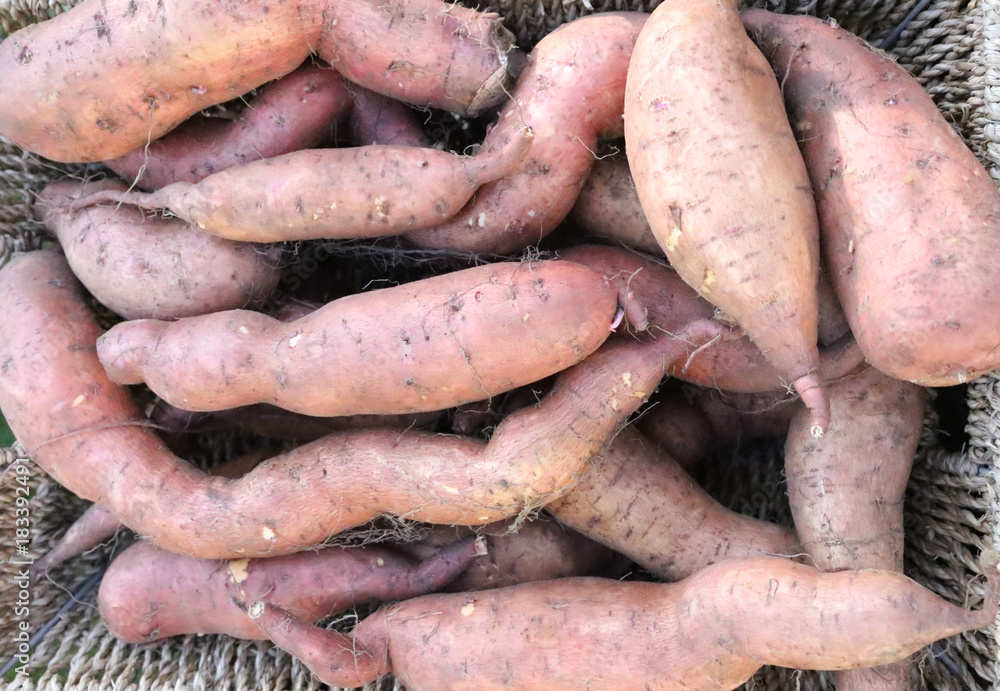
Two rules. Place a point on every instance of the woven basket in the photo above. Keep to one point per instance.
(953, 48)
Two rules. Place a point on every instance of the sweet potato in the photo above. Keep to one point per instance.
(520, 552)
(298, 111)
(732, 365)
(109, 76)
(98, 524)
(637, 500)
(691, 425)
(358, 192)
(709, 632)
(148, 593)
(846, 490)
(86, 433)
(723, 184)
(146, 267)
(571, 93)
(608, 207)
(376, 119)
(910, 220)
(429, 345)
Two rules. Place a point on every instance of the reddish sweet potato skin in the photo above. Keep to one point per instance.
(694, 73)
(910, 218)
(173, 59)
(571, 94)
(299, 111)
(637, 500)
(451, 339)
(377, 119)
(146, 267)
(709, 632)
(148, 593)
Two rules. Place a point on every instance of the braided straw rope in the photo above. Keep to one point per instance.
(951, 46)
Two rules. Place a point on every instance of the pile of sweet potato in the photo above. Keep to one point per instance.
(792, 231)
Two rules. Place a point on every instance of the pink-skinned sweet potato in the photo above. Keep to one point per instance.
(846, 490)
(520, 552)
(608, 207)
(377, 119)
(142, 266)
(910, 220)
(299, 111)
(571, 94)
(109, 76)
(723, 184)
(669, 303)
(428, 345)
(149, 594)
(710, 632)
(87, 433)
(356, 192)
(637, 500)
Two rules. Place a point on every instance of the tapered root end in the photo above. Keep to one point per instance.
(504, 151)
(810, 387)
(144, 200)
(123, 350)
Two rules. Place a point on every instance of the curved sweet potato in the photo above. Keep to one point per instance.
(86, 433)
(148, 593)
(846, 490)
(169, 60)
(147, 267)
(637, 500)
(729, 365)
(723, 184)
(428, 345)
(298, 111)
(571, 94)
(710, 631)
(910, 220)
(358, 192)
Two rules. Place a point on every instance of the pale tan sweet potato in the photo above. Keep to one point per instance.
(428, 345)
(299, 111)
(669, 303)
(147, 267)
(637, 500)
(710, 632)
(571, 94)
(910, 219)
(357, 192)
(723, 184)
(86, 433)
(846, 490)
(109, 76)
(148, 593)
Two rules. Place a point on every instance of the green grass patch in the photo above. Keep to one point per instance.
(6, 436)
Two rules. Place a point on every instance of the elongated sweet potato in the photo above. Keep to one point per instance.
(571, 94)
(846, 490)
(910, 219)
(637, 500)
(723, 184)
(146, 267)
(298, 111)
(520, 552)
(86, 433)
(109, 76)
(709, 632)
(149, 593)
(359, 192)
(428, 345)
(669, 303)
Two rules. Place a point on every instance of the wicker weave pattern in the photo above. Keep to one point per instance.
(952, 46)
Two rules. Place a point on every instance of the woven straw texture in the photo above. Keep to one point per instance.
(952, 46)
